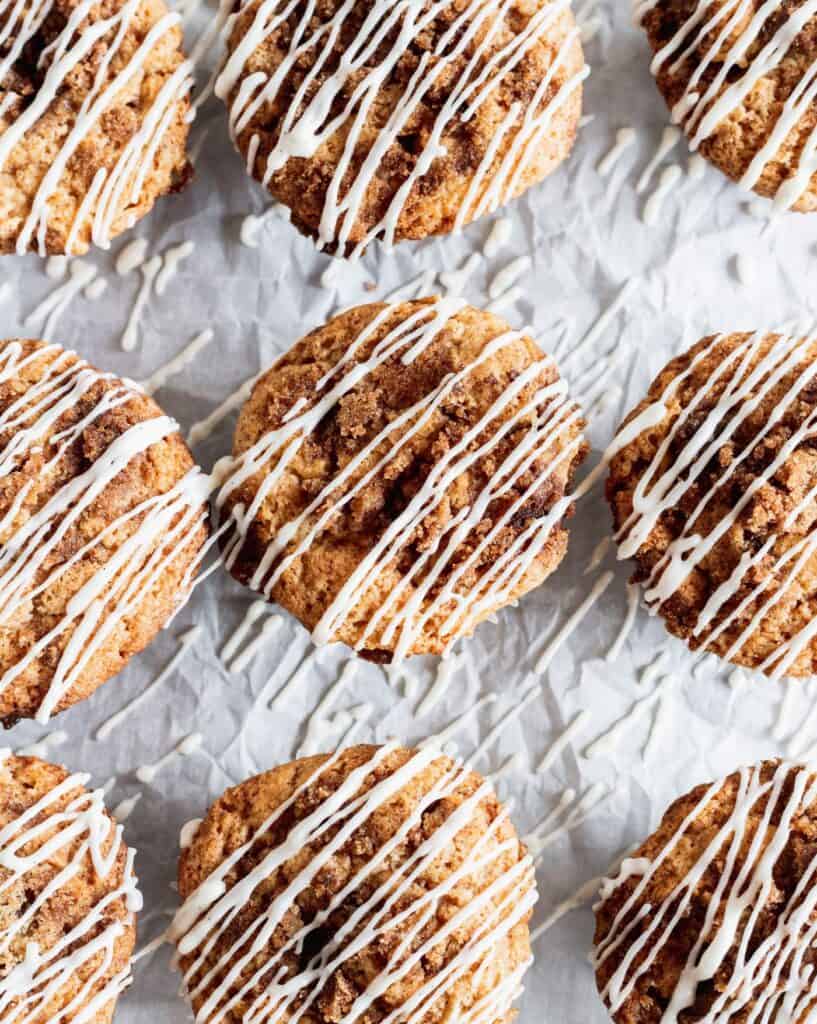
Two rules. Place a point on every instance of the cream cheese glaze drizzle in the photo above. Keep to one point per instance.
(758, 982)
(748, 380)
(253, 969)
(547, 417)
(309, 121)
(26, 844)
(165, 524)
(725, 30)
(111, 190)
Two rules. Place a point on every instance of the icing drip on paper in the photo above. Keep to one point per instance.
(56, 267)
(27, 843)
(563, 741)
(498, 237)
(112, 189)
(205, 918)
(131, 256)
(659, 490)
(308, 123)
(172, 259)
(184, 748)
(264, 635)
(80, 275)
(574, 621)
(508, 276)
(186, 641)
(405, 617)
(669, 139)
(726, 32)
(166, 524)
(633, 594)
(319, 725)
(203, 428)
(759, 980)
(566, 816)
(669, 178)
(41, 747)
(125, 808)
(150, 268)
(606, 744)
(625, 139)
(177, 363)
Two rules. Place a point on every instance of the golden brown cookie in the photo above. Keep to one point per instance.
(93, 105)
(101, 525)
(713, 917)
(375, 120)
(371, 884)
(739, 79)
(711, 486)
(68, 897)
(400, 474)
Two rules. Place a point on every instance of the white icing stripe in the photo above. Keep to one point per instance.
(661, 487)
(545, 417)
(308, 123)
(29, 988)
(745, 885)
(729, 29)
(163, 526)
(206, 916)
(111, 190)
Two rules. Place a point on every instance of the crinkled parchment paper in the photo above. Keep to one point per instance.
(586, 239)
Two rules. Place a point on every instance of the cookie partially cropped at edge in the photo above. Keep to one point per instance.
(400, 474)
(712, 488)
(738, 79)
(372, 884)
(712, 918)
(375, 120)
(93, 120)
(102, 520)
(68, 897)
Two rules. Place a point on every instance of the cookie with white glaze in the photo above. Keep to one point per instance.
(373, 884)
(101, 526)
(711, 487)
(93, 119)
(380, 120)
(712, 918)
(739, 79)
(400, 474)
(68, 897)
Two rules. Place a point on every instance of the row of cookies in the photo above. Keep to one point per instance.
(388, 885)
(371, 119)
(399, 475)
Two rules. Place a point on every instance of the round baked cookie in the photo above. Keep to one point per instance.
(68, 897)
(374, 884)
(713, 917)
(93, 105)
(101, 525)
(400, 474)
(738, 79)
(712, 488)
(373, 119)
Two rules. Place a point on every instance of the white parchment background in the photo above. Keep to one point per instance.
(586, 239)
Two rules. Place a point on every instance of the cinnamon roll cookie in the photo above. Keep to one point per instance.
(373, 119)
(712, 488)
(68, 897)
(101, 524)
(400, 474)
(714, 917)
(373, 884)
(741, 79)
(93, 106)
